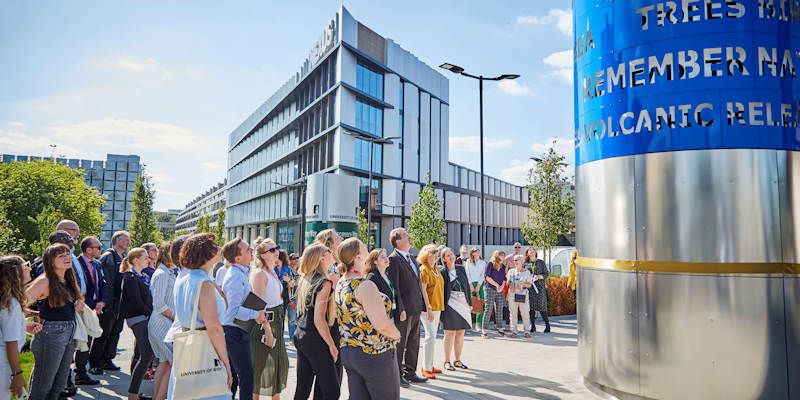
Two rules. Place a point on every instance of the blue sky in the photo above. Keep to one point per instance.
(169, 80)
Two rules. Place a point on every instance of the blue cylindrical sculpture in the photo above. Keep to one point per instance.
(687, 137)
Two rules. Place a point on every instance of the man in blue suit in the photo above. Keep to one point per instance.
(96, 298)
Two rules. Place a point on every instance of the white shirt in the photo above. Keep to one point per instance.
(475, 270)
(12, 328)
(274, 291)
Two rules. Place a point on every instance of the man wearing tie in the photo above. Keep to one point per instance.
(404, 275)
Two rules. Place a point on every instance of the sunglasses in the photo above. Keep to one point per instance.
(274, 249)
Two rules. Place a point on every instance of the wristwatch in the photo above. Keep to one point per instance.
(14, 374)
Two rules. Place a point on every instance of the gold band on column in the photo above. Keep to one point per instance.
(688, 267)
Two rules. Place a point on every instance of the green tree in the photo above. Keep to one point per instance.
(552, 205)
(363, 229)
(203, 224)
(28, 188)
(219, 230)
(180, 232)
(10, 240)
(143, 226)
(425, 226)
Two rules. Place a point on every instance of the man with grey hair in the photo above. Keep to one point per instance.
(104, 348)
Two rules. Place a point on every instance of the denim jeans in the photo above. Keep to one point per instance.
(53, 348)
(237, 342)
(291, 316)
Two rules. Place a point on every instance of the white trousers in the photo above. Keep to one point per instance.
(514, 309)
(429, 342)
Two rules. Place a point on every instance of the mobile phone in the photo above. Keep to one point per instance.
(25, 395)
(269, 315)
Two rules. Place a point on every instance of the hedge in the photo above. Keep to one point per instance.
(560, 298)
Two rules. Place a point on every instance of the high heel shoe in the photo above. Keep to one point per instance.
(448, 366)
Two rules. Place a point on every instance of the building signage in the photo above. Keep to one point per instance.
(328, 39)
(653, 76)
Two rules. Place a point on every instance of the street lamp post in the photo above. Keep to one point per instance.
(372, 141)
(458, 70)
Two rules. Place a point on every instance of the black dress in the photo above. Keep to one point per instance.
(456, 287)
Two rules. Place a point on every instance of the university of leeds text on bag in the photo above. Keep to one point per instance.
(198, 371)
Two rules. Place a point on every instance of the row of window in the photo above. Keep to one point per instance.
(468, 179)
(261, 183)
(361, 154)
(458, 234)
(369, 118)
(320, 118)
(322, 79)
(261, 133)
(275, 206)
(369, 81)
(99, 175)
(263, 157)
(316, 156)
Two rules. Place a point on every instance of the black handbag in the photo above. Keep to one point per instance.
(520, 298)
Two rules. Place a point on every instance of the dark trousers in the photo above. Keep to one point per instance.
(145, 355)
(104, 348)
(314, 361)
(544, 317)
(371, 376)
(81, 358)
(237, 342)
(408, 348)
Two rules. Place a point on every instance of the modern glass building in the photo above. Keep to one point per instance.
(114, 178)
(207, 203)
(301, 161)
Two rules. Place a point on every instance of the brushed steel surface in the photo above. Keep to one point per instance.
(791, 286)
(608, 331)
(708, 205)
(711, 336)
(604, 210)
(789, 187)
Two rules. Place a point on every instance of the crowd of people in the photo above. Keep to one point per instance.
(346, 308)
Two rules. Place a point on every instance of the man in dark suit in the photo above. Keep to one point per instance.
(404, 275)
(97, 296)
(104, 348)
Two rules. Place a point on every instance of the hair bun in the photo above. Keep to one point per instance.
(258, 241)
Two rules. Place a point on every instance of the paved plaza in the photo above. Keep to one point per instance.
(544, 367)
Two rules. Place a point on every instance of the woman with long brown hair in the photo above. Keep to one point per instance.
(161, 287)
(317, 349)
(15, 273)
(270, 361)
(58, 297)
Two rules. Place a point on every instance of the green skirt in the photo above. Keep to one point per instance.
(270, 365)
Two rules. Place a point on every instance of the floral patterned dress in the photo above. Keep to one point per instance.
(354, 326)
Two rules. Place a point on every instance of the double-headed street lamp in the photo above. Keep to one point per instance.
(458, 70)
(372, 140)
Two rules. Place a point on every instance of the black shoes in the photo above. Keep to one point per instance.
(109, 367)
(416, 379)
(85, 379)
(404, 383)
(69, 391)
(96, 371)
(547, 328)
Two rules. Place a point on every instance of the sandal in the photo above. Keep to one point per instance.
(501, 333)
(514, 335)
(448, 366)
(459, 364)
(485, 335)
(527, 334)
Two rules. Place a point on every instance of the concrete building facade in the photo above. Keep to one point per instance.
(207, 203)
(356, 84)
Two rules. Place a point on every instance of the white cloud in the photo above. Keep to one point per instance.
(561, 64)
(22, 143)
(472, 143)
(147, 67)
(517, 172)
(119, 133)
(513, 88)
(211, 166)
(562, 19)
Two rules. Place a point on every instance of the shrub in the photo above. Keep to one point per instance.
(560, 298)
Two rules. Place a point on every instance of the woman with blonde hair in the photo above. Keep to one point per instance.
(15, 273)
(495, 279)
(270, 361)
(136, 306)
(317, 348)
(432, 284)
(369, 337)
(58, 298)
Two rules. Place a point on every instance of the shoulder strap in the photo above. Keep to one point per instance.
(193, 324)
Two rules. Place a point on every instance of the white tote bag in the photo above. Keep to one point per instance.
(198, 371)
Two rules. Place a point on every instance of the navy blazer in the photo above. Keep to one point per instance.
(100, 291)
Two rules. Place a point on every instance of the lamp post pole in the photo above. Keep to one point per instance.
(458, 70)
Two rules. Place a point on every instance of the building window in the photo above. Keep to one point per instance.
(362, 156)
(369, 118)
(363, 192)
(369, 81)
